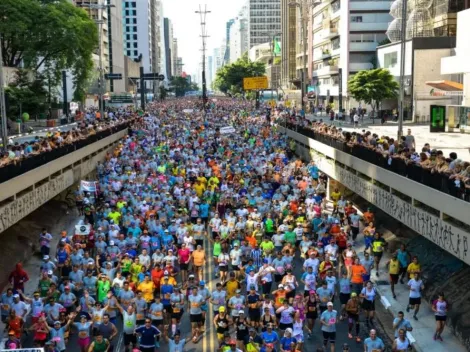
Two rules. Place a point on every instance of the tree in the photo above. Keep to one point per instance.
(373, 86)
(229, 78)
(55, 33)
(180, 85)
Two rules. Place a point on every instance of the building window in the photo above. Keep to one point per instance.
(134, 20)
(128, 45)
(135, 36)
(129, 53)
(128, 37)
(136, 53)
(127, 12)
(390, 59)
(127, 21)
(135, 28)
(356, 18)
(135, 45)
(133, 4)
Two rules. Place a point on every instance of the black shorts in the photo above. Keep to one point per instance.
(223, 268)
(312, 315)
(290, 294)
(378, 255)
(254, 314)
(329, 336)
(414, 301)
(353, 317)
(195, 318)
(168, 308)
(368, 305)
(184, 266)
(130, 338)
(277, 278)
(177, 316)
(394, 278)
(344, 297)
(156, 322)
(283, 326)
(441, 317)
(354, 230)
(199, 243)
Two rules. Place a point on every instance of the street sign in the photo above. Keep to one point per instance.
(250, 83)
(153, 77)
(113, 76)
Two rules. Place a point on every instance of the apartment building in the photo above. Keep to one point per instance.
(344, 35)
(264, 17)
(239, 39)
(288, 43)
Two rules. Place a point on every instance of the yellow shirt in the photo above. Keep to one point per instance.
(199, 188)
(335, 196)
(413, 268)
(147, 289)
(232, 286)
(266, 246)
(394, 267)
(115, 216)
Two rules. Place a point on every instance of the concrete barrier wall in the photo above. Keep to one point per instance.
(452, 206)
(53, 178)
(447, 236)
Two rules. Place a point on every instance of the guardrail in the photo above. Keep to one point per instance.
(29, 163)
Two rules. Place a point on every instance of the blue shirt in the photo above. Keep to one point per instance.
(376, 344)
(286, 343)
(204, 210)
(271, 337)
(329, 317)
(147, 336)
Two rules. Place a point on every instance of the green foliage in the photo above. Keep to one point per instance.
(180, 85)
(229, 78)
(26, 95)
(373, 86)
(53, 33)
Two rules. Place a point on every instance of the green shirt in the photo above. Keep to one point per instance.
(217, 249)
(103, 288)
(290, 237)
(269, 225)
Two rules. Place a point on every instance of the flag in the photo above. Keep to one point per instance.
(277, 47)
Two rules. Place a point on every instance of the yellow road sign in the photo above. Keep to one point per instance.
(250, 83)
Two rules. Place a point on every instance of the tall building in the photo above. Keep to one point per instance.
(264, 17)
(168, 41)
(217, 60)
(345, 37)
(179, 66)
(228, 27)
(210, 72)
(115, 46)
(239, 41)
(143, 37)
(174, 58)
(288, 43)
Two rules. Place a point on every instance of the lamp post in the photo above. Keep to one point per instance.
(99, 22)
(202, 13)
(304, 9)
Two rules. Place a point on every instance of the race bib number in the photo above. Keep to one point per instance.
(194, 305)
(176, 310)
(82, 334)
(332, 321)
(140, 316)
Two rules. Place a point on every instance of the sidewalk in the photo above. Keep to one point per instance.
(423, 330)
(448, 142)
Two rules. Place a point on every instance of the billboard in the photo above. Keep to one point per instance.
(438, 118)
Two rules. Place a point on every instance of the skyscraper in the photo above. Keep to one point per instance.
(226, 54)
(238, 44)
(264, 17)
(168, 44)
(210, 72)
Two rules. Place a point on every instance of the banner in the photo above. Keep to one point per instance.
(82, 230)
(88, 186)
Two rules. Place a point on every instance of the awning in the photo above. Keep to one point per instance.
(447, 86)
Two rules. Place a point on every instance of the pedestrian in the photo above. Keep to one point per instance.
(394, 272)
(401, 343)
(328, 321)
(373, 343)
(440, 307)
(368, 294)
(401, 323)
(416, 286)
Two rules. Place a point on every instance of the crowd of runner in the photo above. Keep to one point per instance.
(178, 199)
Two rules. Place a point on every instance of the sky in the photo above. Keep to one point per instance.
(187, 29)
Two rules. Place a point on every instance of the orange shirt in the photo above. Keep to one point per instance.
(198, 258)
(251, 241)
(356, 273)
(279, 298)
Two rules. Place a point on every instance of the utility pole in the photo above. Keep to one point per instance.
(402, 69)
(203, 14)
(3, 111)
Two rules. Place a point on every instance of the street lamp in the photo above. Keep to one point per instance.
(99, 21)
(304, 8)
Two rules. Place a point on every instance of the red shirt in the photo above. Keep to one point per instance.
(156, 276)
(184, 255)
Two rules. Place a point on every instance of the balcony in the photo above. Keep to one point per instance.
(368, 26)
(321, 55)
(335, 52)
(325, 71)
(359, 66)
(362, 46)
(370, 5)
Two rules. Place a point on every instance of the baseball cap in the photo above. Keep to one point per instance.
(202, 283)
(46, 257)
(16, 295)
(222, 309)
(50, 272)
(280, 286)
(165, 273)
(241, 311)
(353, 294)
(329, 304)
(111, 243)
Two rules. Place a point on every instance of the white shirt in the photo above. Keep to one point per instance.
(415, 288)
(235, 255)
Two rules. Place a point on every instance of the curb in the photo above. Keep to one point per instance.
(389, 308)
